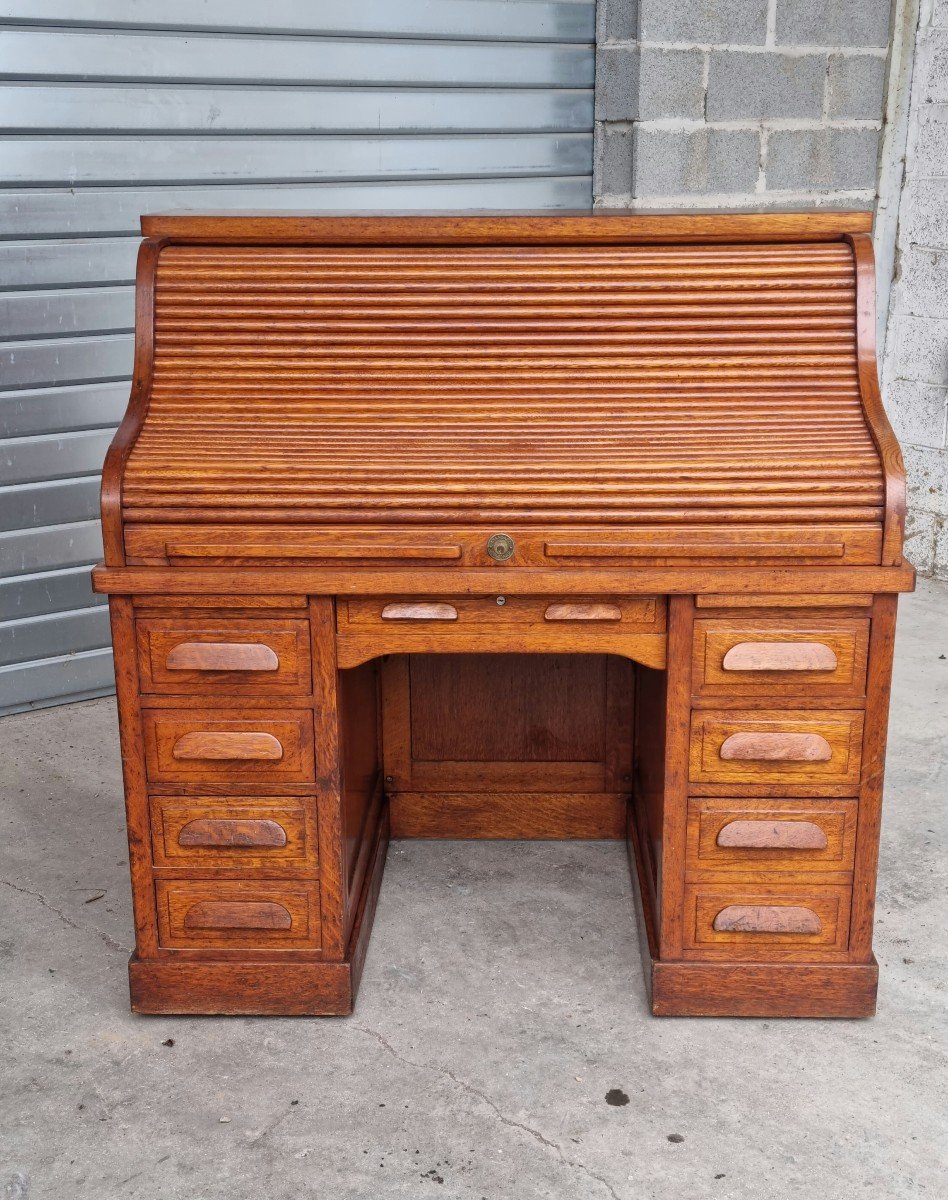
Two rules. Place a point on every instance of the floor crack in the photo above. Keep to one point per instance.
(109, 941)
(502, 1117)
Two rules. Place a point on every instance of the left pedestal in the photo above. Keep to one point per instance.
(257, 835)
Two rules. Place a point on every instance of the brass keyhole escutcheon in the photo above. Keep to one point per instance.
(500, 547)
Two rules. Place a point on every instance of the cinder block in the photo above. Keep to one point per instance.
(855, 87)
(940, 14)
(612, 163)
(833, 22)
(616, 20)
(671, 84)
(921, 349)
(742, 85)
(924, 212)
(922, 283)
(920, 528)
(669, 162)
(931, 149)
(820, 159)
(935, 87)
(926, 472)
(617, 83)
(707, 21)
(918, 412)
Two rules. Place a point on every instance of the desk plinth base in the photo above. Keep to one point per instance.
(176, 987)
(680, 989)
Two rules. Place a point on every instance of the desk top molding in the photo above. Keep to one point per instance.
(439, 228)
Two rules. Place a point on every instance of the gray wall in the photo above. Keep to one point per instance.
(111, 108)
(915, 375)
(739, 103)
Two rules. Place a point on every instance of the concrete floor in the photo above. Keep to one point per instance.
(502, 999)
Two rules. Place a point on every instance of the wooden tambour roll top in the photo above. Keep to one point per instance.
(604, 390)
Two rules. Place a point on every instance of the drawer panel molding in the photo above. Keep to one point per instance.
(725, 920)
(815, 657)
(755, 837)
(190, 745)
(776, 746)
(218, 914)
(234, 832)
(222, 655)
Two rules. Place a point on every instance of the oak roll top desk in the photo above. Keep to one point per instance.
(504, 526)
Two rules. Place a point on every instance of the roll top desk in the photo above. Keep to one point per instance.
(504, 526)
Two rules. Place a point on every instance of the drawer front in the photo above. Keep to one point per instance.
(186, 746)
(365, 613)
(773, 657)
(189, 655)
(240, 914)
(222, 831)
(633, 626)
(771, 835)
(724, 920)
(774, 746)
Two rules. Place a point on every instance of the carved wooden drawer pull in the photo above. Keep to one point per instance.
(222, 656)
(772, 835)
(776, 747)
(237, 914)
(228, 746)
(767, 918)
(419, 612)
(207, 831)
(583, 612)
(780, 656)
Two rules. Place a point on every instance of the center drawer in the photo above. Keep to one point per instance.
(189, 746)
(633, 626)
(386, 612)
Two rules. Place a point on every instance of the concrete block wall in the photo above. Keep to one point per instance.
(915, 367)
(739, 103)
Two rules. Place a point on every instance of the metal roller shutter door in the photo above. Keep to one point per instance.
(111, 108)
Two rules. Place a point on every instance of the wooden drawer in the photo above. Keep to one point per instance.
(243, 914)
(749, 836)
(232, 831)
(633, 626)
(180, 655)
(776, 746)
(458, 612)
(731, 921)
(771, 657)
(240, 747)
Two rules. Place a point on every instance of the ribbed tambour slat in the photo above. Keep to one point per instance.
(393, 384)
